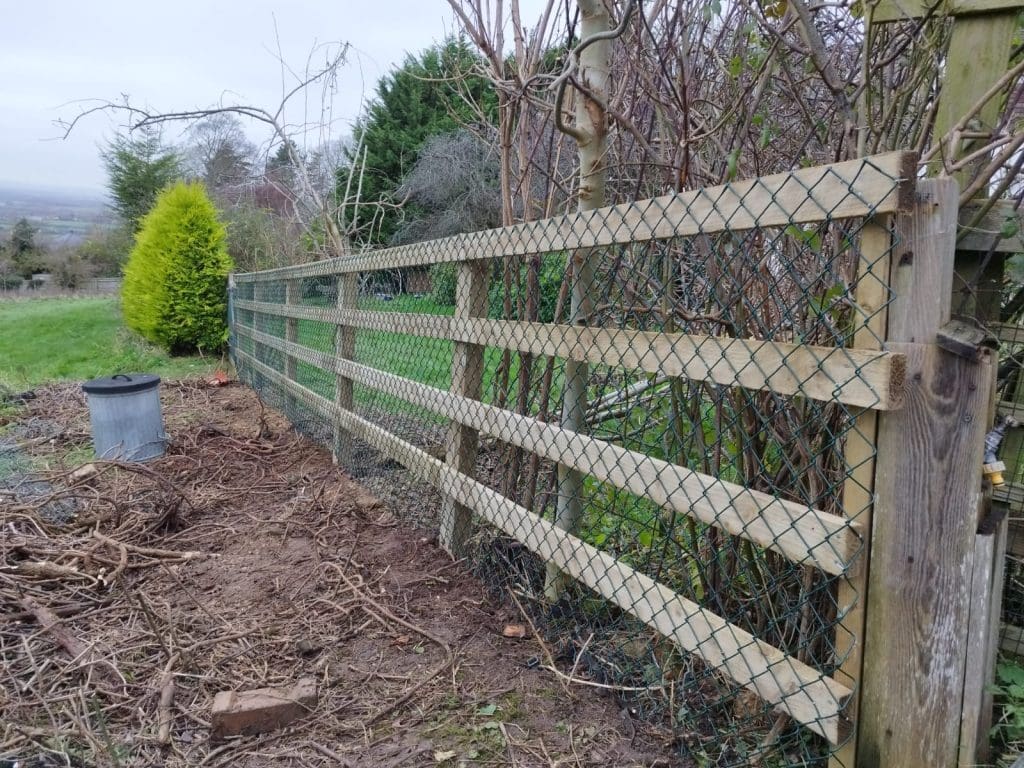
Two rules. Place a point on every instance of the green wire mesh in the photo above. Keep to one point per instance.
(774, 321)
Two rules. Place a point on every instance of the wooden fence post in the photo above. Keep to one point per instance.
(978, 55)
(233, 340)
(872, 297)
(467, 379)
(344, 349)
(927, 486)
(260, 351)
(292, 297)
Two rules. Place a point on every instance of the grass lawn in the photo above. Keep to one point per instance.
(423, 359)
(50, 339)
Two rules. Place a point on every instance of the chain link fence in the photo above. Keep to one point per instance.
(990, 289)
(651, 426)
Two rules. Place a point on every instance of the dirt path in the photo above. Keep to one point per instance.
(298, 572)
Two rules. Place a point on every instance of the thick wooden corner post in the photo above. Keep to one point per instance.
(344, 349)
(927, 487)
(467, 380)
(977, 58)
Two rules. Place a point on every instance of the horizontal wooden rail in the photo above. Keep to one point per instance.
(803, 534)
(1007, 333)
(987, 234)
(806, 695)
(1011, 640)
(850, 189)
(862, 378)
(1010, 408)
(899, 10)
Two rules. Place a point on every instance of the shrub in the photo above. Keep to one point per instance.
(175, 282)
(442, 283)
(549, 280)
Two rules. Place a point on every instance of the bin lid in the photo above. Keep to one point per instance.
(121, 383)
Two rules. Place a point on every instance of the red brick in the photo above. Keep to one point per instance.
(238, 713)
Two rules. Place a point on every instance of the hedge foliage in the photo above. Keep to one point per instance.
(549, 279)
(175, 281)
(443, 278)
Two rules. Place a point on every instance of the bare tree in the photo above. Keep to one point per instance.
(455, 184)
(324, 216)
(219, 152)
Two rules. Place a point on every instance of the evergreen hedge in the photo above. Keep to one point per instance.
(175, 282)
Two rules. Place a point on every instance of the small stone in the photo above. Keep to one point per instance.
(84, 472)
(306, 647)
(517, 631)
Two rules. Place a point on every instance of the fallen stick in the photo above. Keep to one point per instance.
(387, 710)
(147, 551)
(163, 711)
(43, 569)
(64, 610)
(74, 647)
(382, 615)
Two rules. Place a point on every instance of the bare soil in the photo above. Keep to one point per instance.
(244, 559)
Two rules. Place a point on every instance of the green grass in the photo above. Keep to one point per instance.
(59, 339)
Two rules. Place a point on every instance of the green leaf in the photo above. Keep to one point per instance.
(808, 237)
(732, 164)
(1010, 673)
(487, 710)
(1015, 267)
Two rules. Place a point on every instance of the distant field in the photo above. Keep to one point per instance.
(58, 339)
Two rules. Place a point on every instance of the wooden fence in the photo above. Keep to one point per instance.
(888, 538)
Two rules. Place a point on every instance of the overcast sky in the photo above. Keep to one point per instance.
(178, 55)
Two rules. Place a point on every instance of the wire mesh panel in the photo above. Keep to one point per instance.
(646, 424)
(1007, 447)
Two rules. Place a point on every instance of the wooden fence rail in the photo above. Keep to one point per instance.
(889, 390)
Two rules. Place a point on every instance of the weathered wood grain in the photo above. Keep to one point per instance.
(344, 349)
(927, 488)
(467, 379)
(860, 455)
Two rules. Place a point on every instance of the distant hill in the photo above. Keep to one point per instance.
(62, 216)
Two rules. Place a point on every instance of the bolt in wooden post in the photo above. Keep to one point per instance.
(344, 349)
(467, 380)
(927, 484)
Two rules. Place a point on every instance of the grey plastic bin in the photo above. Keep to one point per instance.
(126, 420)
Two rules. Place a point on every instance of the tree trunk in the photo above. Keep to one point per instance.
(591, 134)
